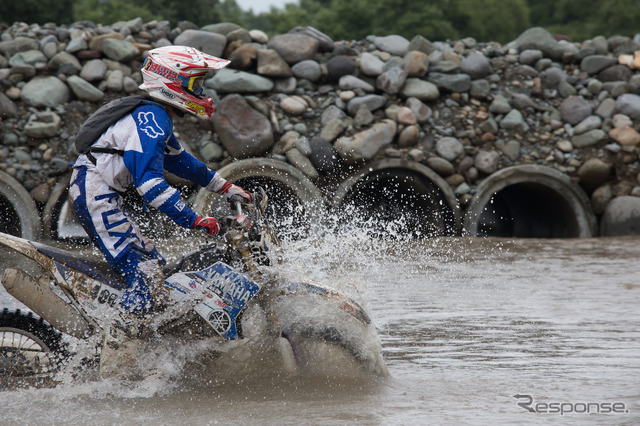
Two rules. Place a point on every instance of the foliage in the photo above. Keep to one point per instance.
(491, 20)
(356, 19)
(485, 20)
(200, 12)
(110, 11)
(34, 11)
(425, 18)
(584, 19)
(620, 17)
(352, 17)
(433, 19)
(282, 21)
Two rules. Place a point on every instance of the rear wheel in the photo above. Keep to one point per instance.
(31, 350)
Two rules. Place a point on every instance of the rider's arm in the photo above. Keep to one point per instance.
(146, 162)
(186, 166)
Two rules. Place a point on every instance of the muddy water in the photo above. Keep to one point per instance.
(465, 325)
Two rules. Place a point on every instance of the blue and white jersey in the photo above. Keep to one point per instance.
(149, 145)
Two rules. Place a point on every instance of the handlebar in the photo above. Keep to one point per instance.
(249, 233)
(245, 214)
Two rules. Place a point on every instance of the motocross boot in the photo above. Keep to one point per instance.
(124, 341)
(154, 276)
(122, 348)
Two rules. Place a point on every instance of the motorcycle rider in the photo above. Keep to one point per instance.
(135, 150)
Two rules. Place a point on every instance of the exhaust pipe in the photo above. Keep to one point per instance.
(44, 302)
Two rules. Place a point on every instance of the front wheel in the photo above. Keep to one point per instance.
(31, 350)
(329, 350)
(327, 339)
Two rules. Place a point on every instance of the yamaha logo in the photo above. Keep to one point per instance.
(220, 321)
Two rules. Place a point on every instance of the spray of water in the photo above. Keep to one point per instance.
(328, 339)
(332, 343)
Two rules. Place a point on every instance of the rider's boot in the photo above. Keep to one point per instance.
(122, 348)
(154, 276)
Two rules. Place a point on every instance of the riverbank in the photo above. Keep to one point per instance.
(541, 126)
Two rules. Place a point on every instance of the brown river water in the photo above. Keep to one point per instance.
(466, 324)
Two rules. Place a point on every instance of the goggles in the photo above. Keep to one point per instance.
(193, 85)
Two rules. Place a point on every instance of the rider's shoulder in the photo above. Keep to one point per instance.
(152, 113)
(153, 107)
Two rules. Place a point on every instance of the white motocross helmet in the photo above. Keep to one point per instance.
(176, 74)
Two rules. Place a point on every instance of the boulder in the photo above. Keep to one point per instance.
(45, 92)
(233, 81)
(294, 48)
(243, 131)
(539, 39)
(621, 217)
(43, 125)
(206, 41)
(366, 144)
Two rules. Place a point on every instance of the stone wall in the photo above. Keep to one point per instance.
(463, 109)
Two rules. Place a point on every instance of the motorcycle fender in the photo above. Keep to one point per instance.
(344, 302)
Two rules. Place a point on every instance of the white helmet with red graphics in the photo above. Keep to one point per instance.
(176, 74)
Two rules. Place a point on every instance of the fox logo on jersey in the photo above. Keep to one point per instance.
(148, 124)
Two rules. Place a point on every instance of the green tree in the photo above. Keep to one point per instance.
(35, 11)
(350, 20)
(110, 11)
(576, 19)
(230, 12)
(584, 19)
(541, 12)
(618, 17)
(200, 12)
(490, 20)
(357, 19)
(413, 17)
(281, 21)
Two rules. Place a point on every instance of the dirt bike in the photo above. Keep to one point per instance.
(208, 296)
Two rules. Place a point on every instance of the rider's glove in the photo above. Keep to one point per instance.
(207, 224)
(235, 193)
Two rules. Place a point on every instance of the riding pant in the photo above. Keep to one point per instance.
(100, 211)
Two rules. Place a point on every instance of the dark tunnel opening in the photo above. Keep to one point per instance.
(285, 211)
(528, 210)
(409, 200)
(10, 223)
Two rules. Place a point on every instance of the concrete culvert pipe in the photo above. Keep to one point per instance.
(59, 222)
(294, 201)
(529, 201)
(18, 212)
(404, 196)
